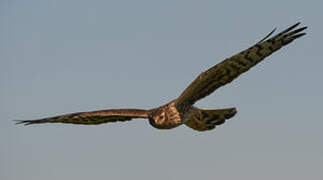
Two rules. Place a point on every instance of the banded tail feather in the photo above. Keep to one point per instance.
(208, 119)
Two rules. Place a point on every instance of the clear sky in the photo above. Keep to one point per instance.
(65, 56)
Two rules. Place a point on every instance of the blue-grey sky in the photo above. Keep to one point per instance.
(65, 56)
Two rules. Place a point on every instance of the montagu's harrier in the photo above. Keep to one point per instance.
(181, 110)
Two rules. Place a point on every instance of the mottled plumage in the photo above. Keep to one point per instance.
(181, 110)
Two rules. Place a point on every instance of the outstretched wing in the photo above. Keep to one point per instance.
(229, 69)
(93, 117)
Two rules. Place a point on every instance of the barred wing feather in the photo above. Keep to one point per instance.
(229, 69)
(93, 117)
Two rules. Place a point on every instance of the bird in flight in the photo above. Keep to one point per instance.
(181, 110)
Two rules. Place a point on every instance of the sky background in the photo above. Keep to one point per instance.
(65, 56)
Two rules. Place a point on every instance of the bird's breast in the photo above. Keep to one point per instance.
(172, 120)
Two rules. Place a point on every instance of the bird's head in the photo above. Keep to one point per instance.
(157, 118)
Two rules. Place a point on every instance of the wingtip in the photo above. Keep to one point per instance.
(299, 35)
(18, 121)
(295, 25)
(303, 28)
(267, 36)
(298, 30)
(23, 122)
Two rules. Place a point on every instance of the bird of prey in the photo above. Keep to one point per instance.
(181, 110)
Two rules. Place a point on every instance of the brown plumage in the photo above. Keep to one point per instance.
(181, 110)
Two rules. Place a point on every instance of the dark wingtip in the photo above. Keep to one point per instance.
(303, 28)
(24, 122)
(267, 36)
(295, 25)
(298, 35)
(288, 29)
(297, 31)
(18, 121)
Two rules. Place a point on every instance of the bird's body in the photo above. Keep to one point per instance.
(181, 110)
(166, 117)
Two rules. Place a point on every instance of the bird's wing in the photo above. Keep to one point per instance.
(93, 117)
(229, 69)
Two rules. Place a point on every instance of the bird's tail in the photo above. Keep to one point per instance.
(207, 119)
